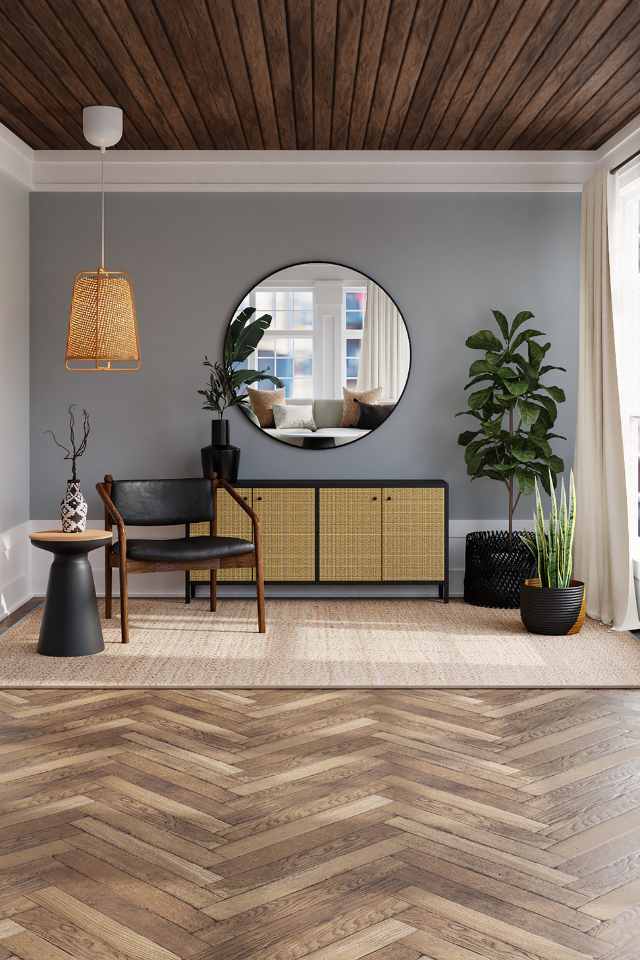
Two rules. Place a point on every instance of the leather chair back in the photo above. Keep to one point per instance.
(151, 503)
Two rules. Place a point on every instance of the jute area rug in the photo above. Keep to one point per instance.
(326, 643)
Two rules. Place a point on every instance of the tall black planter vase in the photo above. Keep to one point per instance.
(496, 565)
(221, 457)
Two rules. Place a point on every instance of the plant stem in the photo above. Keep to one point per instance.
(510, 484)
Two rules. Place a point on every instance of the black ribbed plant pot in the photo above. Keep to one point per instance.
(552, 611)
(221, 458)
(496, 564)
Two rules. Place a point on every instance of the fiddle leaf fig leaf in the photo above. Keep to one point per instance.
(501, 320)
(529, 412)
(519, 319)
(484, 340)
(479, 398)
(516, 387)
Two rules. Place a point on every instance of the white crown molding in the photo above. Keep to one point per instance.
(16, 157)
(316, 171)
(621, 145)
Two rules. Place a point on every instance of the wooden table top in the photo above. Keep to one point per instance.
(53, 535)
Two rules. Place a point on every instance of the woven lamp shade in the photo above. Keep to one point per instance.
(102, 323)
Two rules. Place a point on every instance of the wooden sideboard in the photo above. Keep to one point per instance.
(340, 532)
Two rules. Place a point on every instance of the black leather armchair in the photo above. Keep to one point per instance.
(168, 503)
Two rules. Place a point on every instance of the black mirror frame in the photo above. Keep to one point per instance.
(344, 266)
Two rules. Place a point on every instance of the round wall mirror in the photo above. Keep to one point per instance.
(322, 355)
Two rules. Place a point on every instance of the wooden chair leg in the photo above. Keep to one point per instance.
(213, 590)
(124, 603)
(262, 623)
(108, 585)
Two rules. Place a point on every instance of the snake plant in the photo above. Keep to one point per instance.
(552, 544)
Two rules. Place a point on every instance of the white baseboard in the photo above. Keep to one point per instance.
(172, 584)
(15, 568)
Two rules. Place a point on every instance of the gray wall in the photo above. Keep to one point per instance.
(14, 353)
(445, 258)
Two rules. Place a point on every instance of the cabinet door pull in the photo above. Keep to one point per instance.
(258, 498)
(388, 498)
(374, 498)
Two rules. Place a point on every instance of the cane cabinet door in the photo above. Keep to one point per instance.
(413, 533)
(288, 532)
(234, 522)
(350, 534)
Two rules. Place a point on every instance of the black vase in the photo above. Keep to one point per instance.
(220, 433)
(496, 565)
(221, 457)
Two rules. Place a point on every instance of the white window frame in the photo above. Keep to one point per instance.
(349, 334)
(310, 333)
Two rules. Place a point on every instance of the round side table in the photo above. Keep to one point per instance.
(70, 622)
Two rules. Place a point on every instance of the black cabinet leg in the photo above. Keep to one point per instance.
(187, 587)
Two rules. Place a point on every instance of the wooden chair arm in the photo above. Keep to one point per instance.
(238, 499)
(113, 512)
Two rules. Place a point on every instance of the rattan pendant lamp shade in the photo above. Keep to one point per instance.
(102, 334)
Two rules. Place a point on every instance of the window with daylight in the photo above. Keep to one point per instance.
(286, 350)
(354, 304)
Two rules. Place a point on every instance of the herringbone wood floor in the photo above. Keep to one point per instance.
(394, 825)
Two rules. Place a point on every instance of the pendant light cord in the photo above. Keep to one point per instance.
(101, 207)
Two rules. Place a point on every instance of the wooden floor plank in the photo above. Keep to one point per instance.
(319, 825)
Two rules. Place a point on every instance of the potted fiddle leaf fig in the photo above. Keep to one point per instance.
(553, 603)
(514, 409)
(227, 379)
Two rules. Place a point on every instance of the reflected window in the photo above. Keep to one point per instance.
(288, 357)
(353, 309)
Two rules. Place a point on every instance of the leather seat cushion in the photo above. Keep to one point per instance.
(177, 550)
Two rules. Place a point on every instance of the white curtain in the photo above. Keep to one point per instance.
(384, 360)
(602, 551)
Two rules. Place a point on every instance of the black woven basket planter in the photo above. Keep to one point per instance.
(496, 564)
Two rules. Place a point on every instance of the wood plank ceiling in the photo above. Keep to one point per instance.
(323, 74)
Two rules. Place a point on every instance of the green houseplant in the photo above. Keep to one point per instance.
(515, 410)
(553, 603)
(228, 379)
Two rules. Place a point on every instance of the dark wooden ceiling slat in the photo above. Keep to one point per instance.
(34, 95)
(589, 116)
(65, 54)
(385, 126)
(374, 28)
(470, 36)
(14, 116)
(598, 130)
(36, 74)
(514, 41)
(141, 53)
(275, 28)
(521, 67)
(349, 31)
(87, 45)
(254, 45)
(323, 74)
(567, 70)
(189, 30)
(128, 68)
(480, 61)
(557, 68)
(451, 18)
(602, 61)
(224, 21)
(301, 56)
(325, 16)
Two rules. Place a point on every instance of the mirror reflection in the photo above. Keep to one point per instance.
(334, 353)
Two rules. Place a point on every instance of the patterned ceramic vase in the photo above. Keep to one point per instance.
(73, 509)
